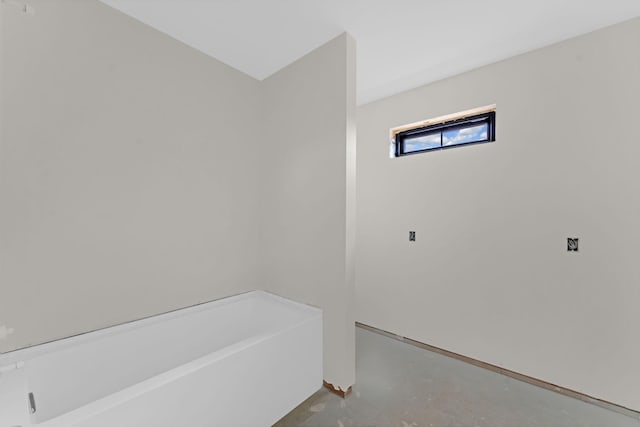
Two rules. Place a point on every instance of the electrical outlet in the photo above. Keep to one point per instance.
(412, 236)
(572, 244)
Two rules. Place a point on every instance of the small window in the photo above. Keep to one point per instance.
(470, 129)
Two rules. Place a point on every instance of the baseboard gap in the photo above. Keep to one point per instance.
(506, 372)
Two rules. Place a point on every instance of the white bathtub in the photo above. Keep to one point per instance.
(246, 360)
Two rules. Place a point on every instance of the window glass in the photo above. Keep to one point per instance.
(422, 142)
(466, 130)
(465, 135)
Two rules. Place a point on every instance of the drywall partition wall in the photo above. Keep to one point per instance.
(308, 192)
(489, 275)
(123, 192)
(2, 37)
(2, 96)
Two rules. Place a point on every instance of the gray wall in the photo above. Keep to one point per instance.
(138, 176)
(308, 194)
(128, 179)
(489, 276)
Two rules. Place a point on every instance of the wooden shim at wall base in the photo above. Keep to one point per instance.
(339, 391)
(443, 119)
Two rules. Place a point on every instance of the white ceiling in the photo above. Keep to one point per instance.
(401, 43)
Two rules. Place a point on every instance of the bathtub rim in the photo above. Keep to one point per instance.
(85, 412)
(15, 359)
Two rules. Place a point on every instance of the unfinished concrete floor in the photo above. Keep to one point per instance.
(401, 385)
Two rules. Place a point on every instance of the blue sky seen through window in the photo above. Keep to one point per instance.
(423, 142)
(465, 135)
(447, 138)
